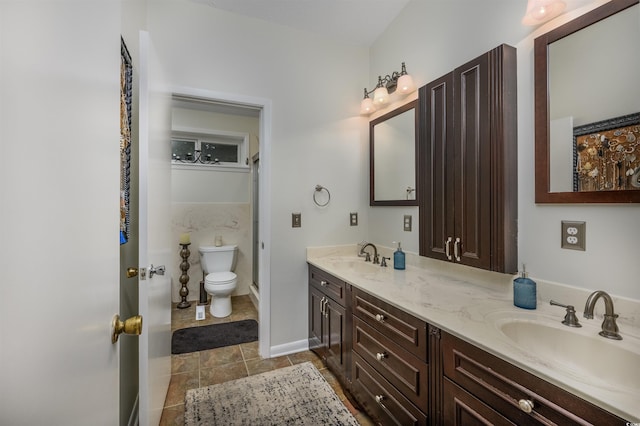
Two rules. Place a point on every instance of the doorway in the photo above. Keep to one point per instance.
(236, 222)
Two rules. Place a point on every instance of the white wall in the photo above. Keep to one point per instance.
(435, 37)
(317, 136)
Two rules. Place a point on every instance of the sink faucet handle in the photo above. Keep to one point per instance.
(384, 261)
(570, 319)
(367, 257)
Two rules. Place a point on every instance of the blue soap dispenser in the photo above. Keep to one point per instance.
(524, 291)
(398, 258)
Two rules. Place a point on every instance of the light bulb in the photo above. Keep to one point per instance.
(405, 84)
(367, 106)
(380, 96)
(539, 11)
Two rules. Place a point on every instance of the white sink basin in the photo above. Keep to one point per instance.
(581, 353)
(355, 265)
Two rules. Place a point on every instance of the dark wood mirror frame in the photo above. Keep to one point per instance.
(542, 181)
(372, 202)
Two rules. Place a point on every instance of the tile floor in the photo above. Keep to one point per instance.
(205, 368)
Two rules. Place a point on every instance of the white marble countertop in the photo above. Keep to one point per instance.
(472, 304)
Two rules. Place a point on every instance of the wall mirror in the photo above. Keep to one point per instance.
(587, 108)
(393, 158)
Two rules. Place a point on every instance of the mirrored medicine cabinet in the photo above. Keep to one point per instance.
(393, 157)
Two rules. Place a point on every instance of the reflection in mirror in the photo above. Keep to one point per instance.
(393, 157)
(587, 86)
(586, 89)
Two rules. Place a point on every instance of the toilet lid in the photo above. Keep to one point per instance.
(220, 277)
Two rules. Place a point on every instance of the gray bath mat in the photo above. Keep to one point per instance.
(297, 395)
(213, 336)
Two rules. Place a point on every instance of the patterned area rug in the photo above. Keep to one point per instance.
(296, 395)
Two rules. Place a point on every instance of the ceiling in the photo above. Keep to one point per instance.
(354, 21)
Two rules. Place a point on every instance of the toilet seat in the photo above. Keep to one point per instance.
(220, 278)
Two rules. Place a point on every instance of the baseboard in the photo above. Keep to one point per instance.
(289, 348)
(134, 419)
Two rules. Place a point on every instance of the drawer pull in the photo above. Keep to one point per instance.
(380, 356)
(379, 399)
(526, 405)
(380, 318)
(324, 283)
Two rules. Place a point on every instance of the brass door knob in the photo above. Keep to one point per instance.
(131, 325)
(132, 272)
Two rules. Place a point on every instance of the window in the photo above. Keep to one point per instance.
(222, 150)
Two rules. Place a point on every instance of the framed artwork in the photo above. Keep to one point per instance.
(606, 155)
(126, 79)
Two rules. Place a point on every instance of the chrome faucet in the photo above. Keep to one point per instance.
(376, 259)
(609, 326)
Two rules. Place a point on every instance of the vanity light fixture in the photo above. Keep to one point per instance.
(397, 81)
(539, 11)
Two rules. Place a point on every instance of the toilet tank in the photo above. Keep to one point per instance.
(218, 259)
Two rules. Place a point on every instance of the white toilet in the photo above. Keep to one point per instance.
(218, 263)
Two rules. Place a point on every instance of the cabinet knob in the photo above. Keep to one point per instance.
(379, 317)
(323, 283)
(526, 405)
(379, 399)
(380, 356)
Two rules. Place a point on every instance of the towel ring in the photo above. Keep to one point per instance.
(320, 188)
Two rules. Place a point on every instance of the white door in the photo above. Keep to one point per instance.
(155, 245)
(59, 210)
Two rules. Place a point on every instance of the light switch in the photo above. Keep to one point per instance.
(296, 220)
(574, 235)
(353, 219)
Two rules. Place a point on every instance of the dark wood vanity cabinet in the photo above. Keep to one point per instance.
(468, 163)
(481, 389)
(390, 374)
(330, 322)
(403, 371)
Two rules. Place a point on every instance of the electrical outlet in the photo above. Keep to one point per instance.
(296, 220)
(353, 219)
(407, 222)
(574, 235)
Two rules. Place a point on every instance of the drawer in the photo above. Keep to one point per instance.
(502, 385)
(401, 368)
(401, 327)
(328, 284)
(463, 409)
(380, 399)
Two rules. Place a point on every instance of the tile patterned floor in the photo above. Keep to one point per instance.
(205, 368)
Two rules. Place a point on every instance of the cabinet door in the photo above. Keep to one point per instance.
(468, 169)
(316, 319)
(335, 334)
(436, 136)
(472, 165)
